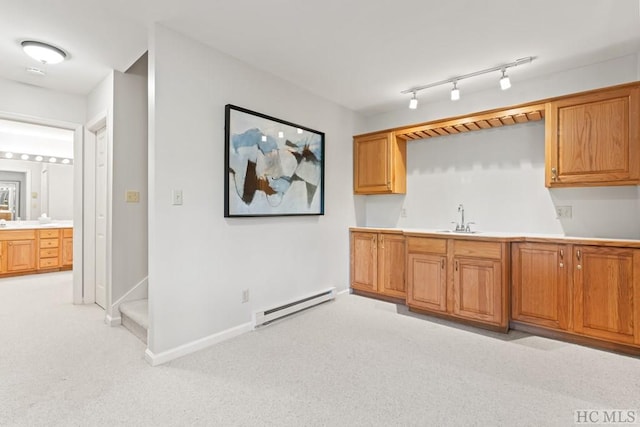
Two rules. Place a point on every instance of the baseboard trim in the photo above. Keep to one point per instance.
(158, 359)
(112, 321)
(343, 292)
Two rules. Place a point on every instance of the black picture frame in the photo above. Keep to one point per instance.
(272, 167)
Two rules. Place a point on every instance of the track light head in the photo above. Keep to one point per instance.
(505, 83)
(455, 92)
(413, 103)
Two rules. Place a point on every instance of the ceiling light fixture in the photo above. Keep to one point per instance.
(455, 92)
(503, 67)
(413, 104)
(505, 83)
(43, 52)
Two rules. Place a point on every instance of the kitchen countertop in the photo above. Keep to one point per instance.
(506, 236)
(28, 225)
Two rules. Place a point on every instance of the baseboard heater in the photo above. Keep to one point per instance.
(267, 316)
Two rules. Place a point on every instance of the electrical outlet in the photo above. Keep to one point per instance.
(176, 197)
(403, 213)
(245, 296)
(132, 196)
(563, 212)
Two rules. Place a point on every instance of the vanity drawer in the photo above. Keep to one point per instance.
(48, 243)
(44, 234)
(49, 253)
(48, 262)
(67, 232)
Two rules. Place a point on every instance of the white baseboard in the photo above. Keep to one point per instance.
(112, 321)
(191, 347)
(343, 292)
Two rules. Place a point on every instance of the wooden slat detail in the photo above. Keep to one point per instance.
(422, 134)
(535, 115)
(496, 123)
(461, 128)
(507, 120)
(412, 137)
(472, 126)
(483, 124)
(521, 118)
(451, 130)
(416, 135)
(442, 132)
(432, 132)
(403, 137)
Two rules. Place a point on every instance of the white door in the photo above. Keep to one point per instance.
(101, 217)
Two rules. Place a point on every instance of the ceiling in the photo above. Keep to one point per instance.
(358, 53)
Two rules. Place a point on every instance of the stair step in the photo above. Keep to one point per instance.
(135, 317)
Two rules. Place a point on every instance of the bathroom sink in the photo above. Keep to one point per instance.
(458, 232)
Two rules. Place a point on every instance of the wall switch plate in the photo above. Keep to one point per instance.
(245, 296)
(176, 197)
(564, 212)
(403, 213)
(132, 196)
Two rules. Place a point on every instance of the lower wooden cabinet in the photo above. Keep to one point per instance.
(459, 278)
(540, 285)
(21, 255)
(25, 251)
(67, 247)
(378, 263)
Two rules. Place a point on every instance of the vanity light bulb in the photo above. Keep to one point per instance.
(299, 131)
(8, 155)
(65, 161)
(280, 134)
(264, 138)
(25, 157)
(52, 160)
(38, 158)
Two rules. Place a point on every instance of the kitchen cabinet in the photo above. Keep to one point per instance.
(480, 282)
(540, 284)
(427, 274)
(594, 139)
(458, 278)
(379, 164)
(606, 301)
(378, 263)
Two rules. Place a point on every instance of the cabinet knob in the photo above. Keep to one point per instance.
(579, 267)
(561, 264)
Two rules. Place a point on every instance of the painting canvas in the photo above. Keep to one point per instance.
(272, 167)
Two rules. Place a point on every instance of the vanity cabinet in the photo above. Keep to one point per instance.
(378, 263)
(21, 255)
(427, 274)
(594, 139)
(48, 248)
(26, 251)
(540, 284)
(379, 164)
(67, 247)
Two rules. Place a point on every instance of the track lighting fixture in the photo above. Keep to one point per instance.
(505, 83)
(455, 92)
(413, 104)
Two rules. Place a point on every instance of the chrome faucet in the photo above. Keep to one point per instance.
(461, 226)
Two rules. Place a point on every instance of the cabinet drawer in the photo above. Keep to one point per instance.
(468, 248)
(49, 253)
(17, 235)
(44, 234)
(48, 243)
(426, 245)
(67, 232)
(48, 262)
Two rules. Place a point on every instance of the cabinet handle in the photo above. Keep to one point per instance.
(456, 265)
(373, 244)
(442, 263)
(382, 242)
(561, 258)
(554, 174)
(579, 256)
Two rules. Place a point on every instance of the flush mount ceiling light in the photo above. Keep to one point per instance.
(505, 83)
(43, 52)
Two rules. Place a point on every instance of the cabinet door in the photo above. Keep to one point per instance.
(607, 293)
(427, 281)
(477, 290)
(540, 292)
(391, 265)
(379, 164)
(67, 251)
(364, 261)
(594, 139)
(21, 255)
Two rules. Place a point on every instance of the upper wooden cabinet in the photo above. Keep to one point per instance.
(594, 139)
(379, 164)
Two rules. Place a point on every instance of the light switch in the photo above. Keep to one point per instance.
(176, 196)
(132, 196)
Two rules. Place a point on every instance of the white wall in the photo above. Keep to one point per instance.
(498, 174)
(199, 262)
(60, 191)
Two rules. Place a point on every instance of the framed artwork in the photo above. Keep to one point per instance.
(272, 167)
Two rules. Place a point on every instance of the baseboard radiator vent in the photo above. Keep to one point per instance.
(265, 317)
